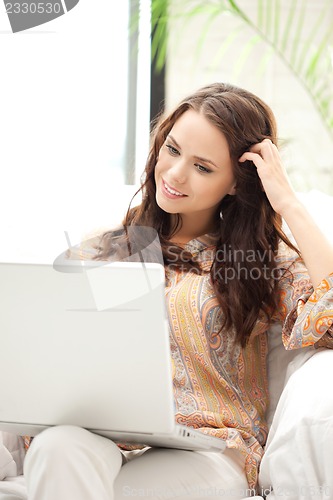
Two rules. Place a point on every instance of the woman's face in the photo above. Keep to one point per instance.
(194, 171)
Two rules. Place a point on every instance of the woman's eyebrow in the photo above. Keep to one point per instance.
(174, 141)
(205, 160)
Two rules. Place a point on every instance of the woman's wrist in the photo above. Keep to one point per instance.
(292, 208)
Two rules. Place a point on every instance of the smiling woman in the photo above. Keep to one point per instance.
(227, 281)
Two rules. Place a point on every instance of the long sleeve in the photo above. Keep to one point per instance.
(306, 313)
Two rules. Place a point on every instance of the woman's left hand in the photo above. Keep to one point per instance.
(272, 173)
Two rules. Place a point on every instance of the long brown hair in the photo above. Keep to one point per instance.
(244, 280)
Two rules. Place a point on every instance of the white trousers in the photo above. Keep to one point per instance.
(70, 463)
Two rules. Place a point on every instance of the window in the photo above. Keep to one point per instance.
(64, 124)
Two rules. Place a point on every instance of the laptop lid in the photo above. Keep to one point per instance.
(87, 346)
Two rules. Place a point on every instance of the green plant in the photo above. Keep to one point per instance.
(300, 40)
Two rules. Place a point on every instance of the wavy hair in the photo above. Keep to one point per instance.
(245, 281)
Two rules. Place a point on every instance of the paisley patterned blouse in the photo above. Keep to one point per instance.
(221, 388)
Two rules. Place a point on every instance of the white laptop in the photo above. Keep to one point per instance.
(89, 346)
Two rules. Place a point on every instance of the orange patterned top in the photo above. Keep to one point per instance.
(221, 388)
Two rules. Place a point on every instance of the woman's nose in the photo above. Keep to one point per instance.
(179, 172)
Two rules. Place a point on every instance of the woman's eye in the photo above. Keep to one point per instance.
(202, 169)
(173, 151)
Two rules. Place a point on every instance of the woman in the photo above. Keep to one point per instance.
(216, 192)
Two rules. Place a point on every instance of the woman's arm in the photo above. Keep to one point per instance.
(315, 248)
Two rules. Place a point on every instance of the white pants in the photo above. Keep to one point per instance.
(69, 463)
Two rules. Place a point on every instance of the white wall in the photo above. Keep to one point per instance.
(62, 128)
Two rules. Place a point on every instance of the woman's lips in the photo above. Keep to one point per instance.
(170, 192)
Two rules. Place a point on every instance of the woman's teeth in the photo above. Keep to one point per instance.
(171, 191)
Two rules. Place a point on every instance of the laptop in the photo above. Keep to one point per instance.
(88, 345)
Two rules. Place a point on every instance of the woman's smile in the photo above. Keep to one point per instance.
(171, 192)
